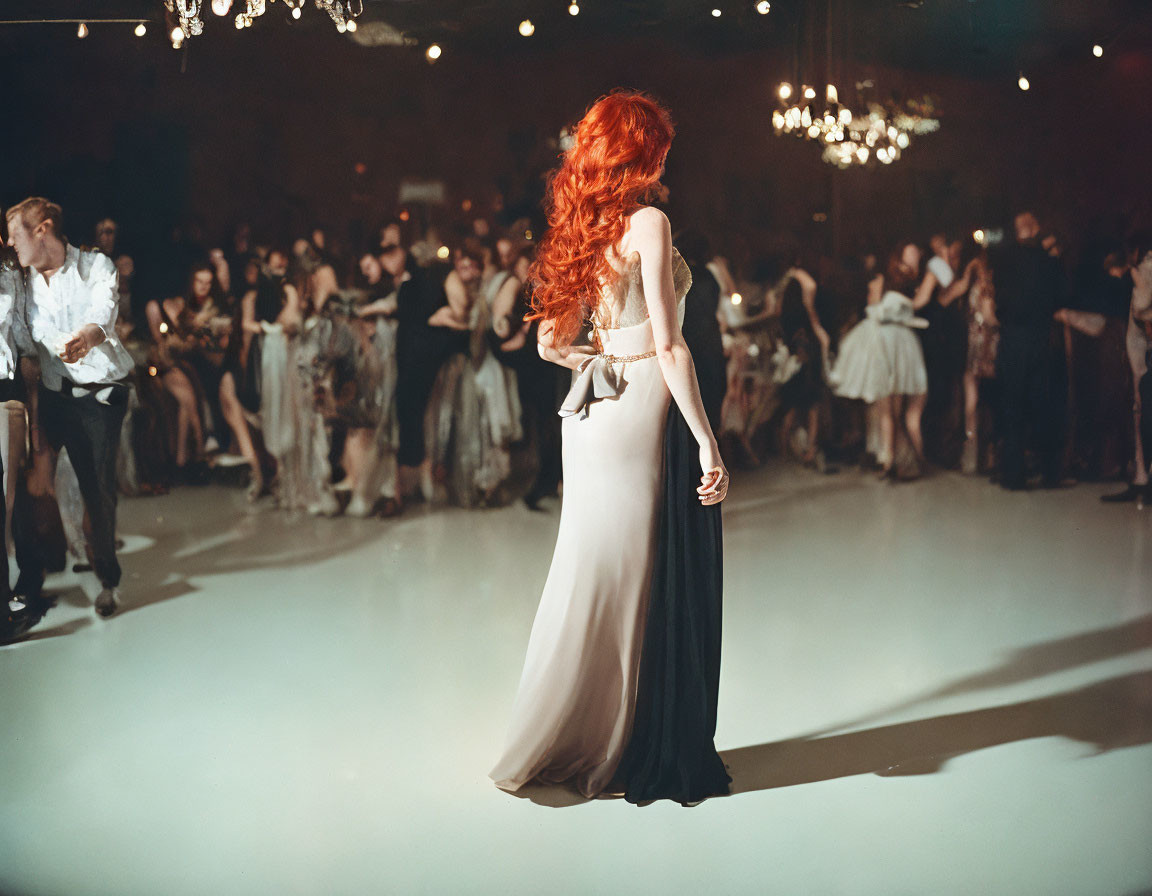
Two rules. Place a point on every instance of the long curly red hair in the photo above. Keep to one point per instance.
(612, 167)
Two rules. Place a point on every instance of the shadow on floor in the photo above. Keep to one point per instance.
(246, 540)
(1029, 663)
(1108, 715)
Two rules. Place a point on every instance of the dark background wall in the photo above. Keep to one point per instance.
(271, 127)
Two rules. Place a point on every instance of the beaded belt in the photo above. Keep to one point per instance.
(623, 359)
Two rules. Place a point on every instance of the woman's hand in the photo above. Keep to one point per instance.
(714, 483)
(515, 343)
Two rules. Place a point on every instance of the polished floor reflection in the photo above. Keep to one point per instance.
(927, 688)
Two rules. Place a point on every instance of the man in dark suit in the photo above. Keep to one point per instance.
(420, 352)
(1029, 366)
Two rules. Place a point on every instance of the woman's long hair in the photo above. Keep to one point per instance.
(614, 164)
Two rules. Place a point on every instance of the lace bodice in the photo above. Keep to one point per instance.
(623, 304)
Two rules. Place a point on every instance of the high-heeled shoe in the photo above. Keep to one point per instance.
(256, 489)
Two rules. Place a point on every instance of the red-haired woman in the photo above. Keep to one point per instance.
(618, 692)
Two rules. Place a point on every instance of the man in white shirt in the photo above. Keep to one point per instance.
(70, 313)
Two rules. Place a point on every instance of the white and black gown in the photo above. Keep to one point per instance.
(618, 692)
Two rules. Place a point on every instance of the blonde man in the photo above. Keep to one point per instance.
(70, 313)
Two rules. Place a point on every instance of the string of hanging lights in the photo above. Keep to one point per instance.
(189, 17)
(190, 13)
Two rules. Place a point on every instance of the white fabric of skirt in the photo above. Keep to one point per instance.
(877, 360)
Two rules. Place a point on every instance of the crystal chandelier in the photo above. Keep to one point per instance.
(189, 13)
(878, 134)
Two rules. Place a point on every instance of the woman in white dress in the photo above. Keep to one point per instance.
(880, 359)
(618, 692)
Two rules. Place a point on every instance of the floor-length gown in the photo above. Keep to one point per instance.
(603, 610)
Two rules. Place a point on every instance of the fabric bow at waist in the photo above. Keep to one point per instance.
(596, 379)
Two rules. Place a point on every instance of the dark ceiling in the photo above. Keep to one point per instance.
(979, 38)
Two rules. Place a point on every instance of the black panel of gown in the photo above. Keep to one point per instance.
(671, 753)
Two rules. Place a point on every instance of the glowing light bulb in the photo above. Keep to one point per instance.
(785, 91)
(152, 371)
(528, 235)
(527, 29)
(809, 93)
(832, 94)
(737, 298)
(845, 116)
(903, 140)
(1024, 83)
(443, 252)
(163, 327)
(862, 154)
(716, 13)
(433, 52)
(341, 27)
(814, 131)
(141, 30)
(979, 236)
(763, 7)
(82, 31)
(1097, 51)
(296, 12)
(177, 35)
(221, 7)
(352, 26)
(574, 9)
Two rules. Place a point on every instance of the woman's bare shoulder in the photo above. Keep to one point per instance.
(648, 231)
(648, 221)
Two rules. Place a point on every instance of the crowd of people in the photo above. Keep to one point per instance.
(358, 383)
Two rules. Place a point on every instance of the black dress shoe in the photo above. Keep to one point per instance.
(14, 624)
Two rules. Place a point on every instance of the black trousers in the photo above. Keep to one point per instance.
(90, 430)
(1033, 388)
(416, 377)
(538, 383)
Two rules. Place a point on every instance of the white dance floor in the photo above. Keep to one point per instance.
(927, 688)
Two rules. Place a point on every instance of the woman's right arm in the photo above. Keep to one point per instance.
(570, 356)
(248, 323)
(385, 307)
(291, 317)
(652, 238)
